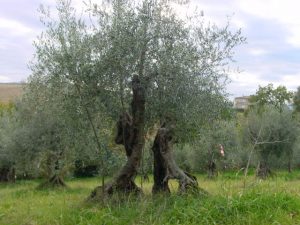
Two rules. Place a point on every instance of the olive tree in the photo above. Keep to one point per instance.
(41, 138)
(276, 98)
(296, 100)
(270, 133)
(144, 67)
(206, 154)
(7, 159)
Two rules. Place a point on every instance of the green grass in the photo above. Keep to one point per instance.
(275, 201)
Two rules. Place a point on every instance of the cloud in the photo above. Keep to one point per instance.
(5, 79)
(285, 13)
(290, 81)
(13, 27)
(238, 22)
(257, 51)
(15, 49)
(244, 83)
(247, 83)
(295, 37)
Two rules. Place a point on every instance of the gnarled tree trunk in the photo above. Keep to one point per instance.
(52, 170)
(263, 171)
(131, 135)
(54, 181)
(160, 169)
(165, 167)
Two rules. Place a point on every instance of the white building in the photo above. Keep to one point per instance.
(241, 103)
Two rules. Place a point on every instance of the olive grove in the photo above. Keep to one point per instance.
(136, 64)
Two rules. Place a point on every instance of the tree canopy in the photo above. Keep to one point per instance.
(182, 63)
(296, 100)
(268, 95)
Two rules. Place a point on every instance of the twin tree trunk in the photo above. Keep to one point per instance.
(131, 135)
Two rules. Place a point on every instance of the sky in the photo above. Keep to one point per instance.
(271, 54)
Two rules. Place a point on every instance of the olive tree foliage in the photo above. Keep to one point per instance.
(205, 150)
(182, 65)
(12, 156)
(271, 133)
(179, 64)
(46, 132)
(64, 65)
(7, 157)
(41, 140)
(277, 99)
(296, 100)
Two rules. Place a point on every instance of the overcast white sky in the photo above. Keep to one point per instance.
(271, 55)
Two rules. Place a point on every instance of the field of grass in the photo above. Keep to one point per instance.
(274, 201)
(8, 92)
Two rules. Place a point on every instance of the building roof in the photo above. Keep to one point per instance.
(243, 97)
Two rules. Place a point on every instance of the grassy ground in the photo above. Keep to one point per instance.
(275, 201)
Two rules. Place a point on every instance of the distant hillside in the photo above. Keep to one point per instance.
(9, 92)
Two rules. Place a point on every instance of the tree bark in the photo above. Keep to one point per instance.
(160, 170)
(7, 174)
(290, 164)
(289, 167)
(263, 170)
(165, 167)
(131, 135)
(211, 169)
(54, 181)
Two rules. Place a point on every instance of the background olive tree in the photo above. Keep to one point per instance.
(271, 133)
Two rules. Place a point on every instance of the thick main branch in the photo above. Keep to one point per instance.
(131, 135)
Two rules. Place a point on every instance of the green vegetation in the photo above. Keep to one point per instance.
(138, 90)
(138, 64)
(296, 100)
(275, 201)
(268, 95)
